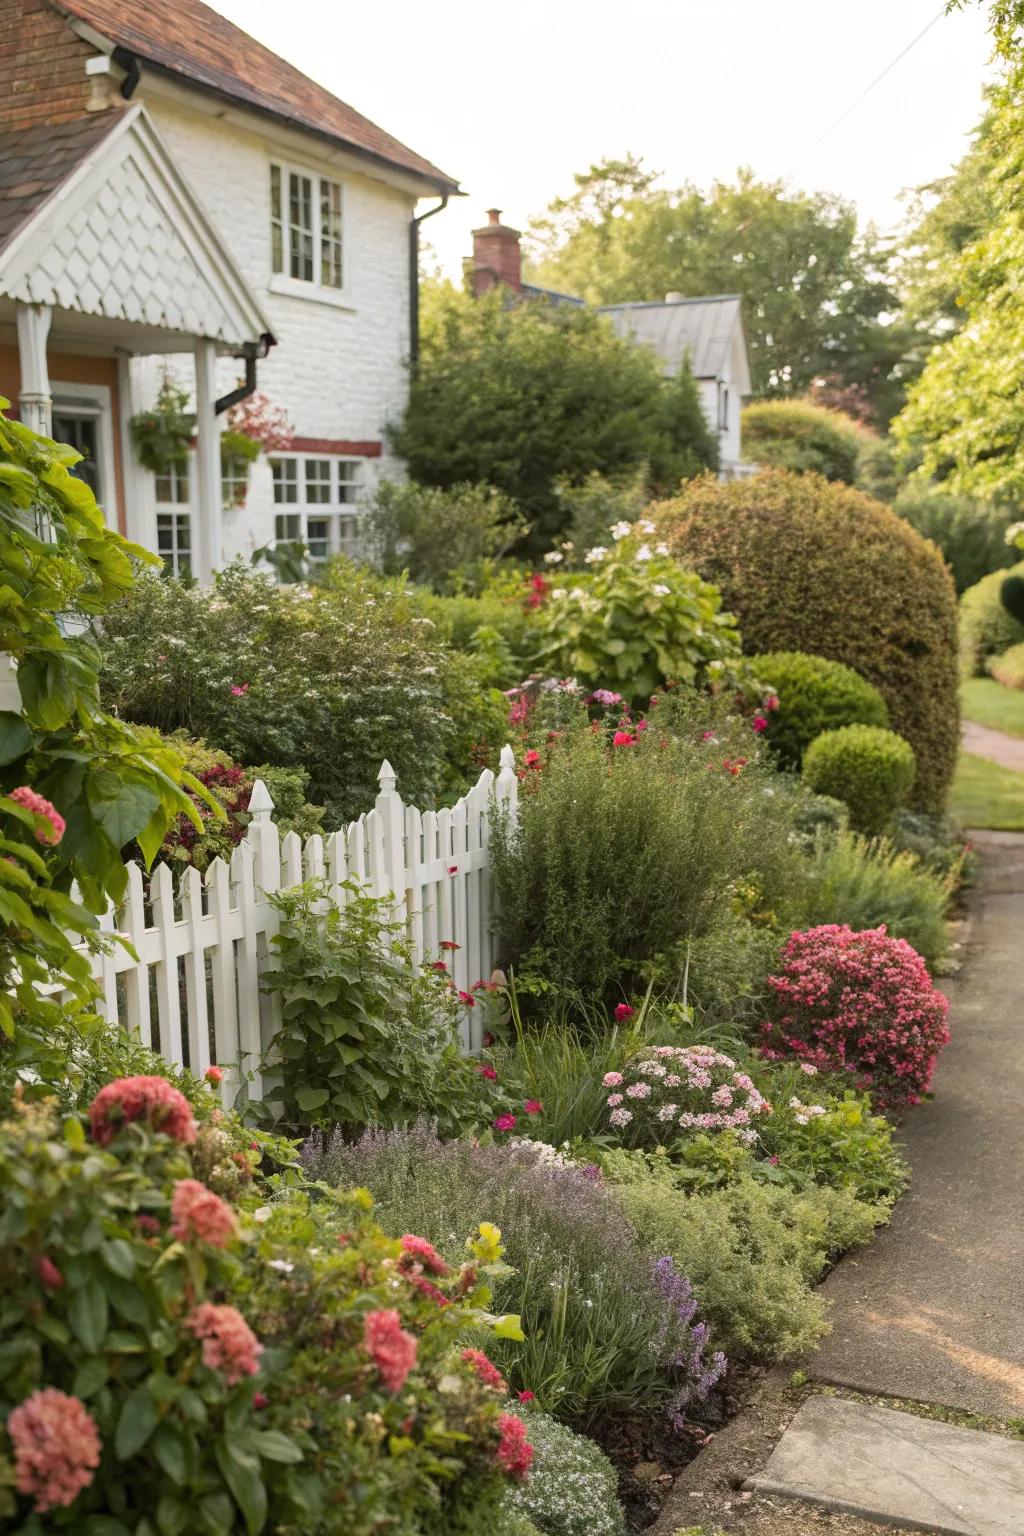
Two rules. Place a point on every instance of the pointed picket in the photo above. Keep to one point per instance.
(136, 977)
(197, 1021)
(168, 990)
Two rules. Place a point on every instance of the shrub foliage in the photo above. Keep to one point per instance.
(870, 769)
(814, 695)
(986, 627)
(799, 435)
(810, 566)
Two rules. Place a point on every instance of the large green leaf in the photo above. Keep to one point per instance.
(136, 1423)
(15, 737)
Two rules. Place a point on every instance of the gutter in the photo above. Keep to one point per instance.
(252, 351)
(414, 278)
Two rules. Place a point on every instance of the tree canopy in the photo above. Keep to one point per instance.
(818, 297)
(522, 395)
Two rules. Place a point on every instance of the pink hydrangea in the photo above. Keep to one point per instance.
(861, 1003)
(614, 1100)
(56, 1448)
(704, 1091)
(514, 1453)
(392, 1350)
(485, 1370)
(612, 1079)
(52, 830)
(151, 1099)
(200, 1216)
(229, 1344)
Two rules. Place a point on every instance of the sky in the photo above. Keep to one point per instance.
(512, 100)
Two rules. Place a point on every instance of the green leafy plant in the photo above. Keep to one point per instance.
(162, 435)
(445, 539)
(635, 621)
(77, 787)
(809, 565)
(867, 767)
(572, 1489)
(362, 1030)
(970, 533)
(814, 695)
(986, 627)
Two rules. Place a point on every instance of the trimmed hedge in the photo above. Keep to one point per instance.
(798, 435)
(814, 695)
(986, 629)
(809, 566)
(1008, 668)
(871, 770)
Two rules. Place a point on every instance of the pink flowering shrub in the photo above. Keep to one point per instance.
(152, 1100)
(859, 1003)
(669, 1091)
(198, 1215)
(56, 1448)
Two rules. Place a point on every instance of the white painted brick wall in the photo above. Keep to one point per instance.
(339, 373)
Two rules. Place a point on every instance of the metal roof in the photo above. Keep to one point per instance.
(700, 329)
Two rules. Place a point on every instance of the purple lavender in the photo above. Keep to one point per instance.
(688, 1342)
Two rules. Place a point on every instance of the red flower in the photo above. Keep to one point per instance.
(489, 1073)
(533, 1106)
(759, 723)
(504, 1123)
(48, 1273)
(771, 702)
(467, 999)
(214, 1074)
(392, 1350)
(532, 758)
(514, 1452)
(623, 739)
(423, 1252)
(260, 1399)
(526, 1397)
(239, 692)
(485, 1370)
(147, 1224)
(449, 944)
(453, 869)
(151, 1099)
(439, 965)
(488, 1038)
(623, 1011)
(52, 830)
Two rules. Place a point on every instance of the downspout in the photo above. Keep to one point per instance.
(252, 351)
(130, 64)
(414, 279)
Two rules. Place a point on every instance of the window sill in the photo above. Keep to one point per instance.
(293, 288)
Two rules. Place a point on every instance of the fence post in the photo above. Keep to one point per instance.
(391, 811)
(507, 782)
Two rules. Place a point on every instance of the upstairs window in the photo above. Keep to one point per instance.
(306, 227)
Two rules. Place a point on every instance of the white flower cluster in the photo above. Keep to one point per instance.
(572, 1487)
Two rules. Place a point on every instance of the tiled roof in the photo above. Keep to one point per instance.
(35, 161)
(190, 41)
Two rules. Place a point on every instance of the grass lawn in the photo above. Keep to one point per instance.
(1002, 709)
(986, 795)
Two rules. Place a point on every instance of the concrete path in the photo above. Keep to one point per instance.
(873, 1462)
(933, 1310)
(982, 741)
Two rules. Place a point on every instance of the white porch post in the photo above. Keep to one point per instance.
(34, 398)
(138, 483)
(209, 503)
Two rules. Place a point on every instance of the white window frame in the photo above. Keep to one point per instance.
(93, 401)
(186, 509)
(338, 512)
(283, 281)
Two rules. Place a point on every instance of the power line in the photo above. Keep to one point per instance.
(879, 77)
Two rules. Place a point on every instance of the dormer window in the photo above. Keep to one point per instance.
(306, 227)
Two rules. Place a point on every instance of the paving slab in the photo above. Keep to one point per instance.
(932, 1309)
(898, 1468)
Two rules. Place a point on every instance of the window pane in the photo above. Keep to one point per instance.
(318, 537)
(172, 487)
(318, 480)
(286, 474)
(276, 221)
(331, 273)
(300, 206)
(174, 540)
(349, 478)
(288, 527)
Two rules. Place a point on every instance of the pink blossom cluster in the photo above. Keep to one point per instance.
(390, 1348)
(666, 1089)
(485, 1370)
(861, 1003)
(151, 1099)
(200, 1216)
(229, 1344)
(514, 1453)
(53, 824)
(56, 1448)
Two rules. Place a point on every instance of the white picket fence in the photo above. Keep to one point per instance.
(205, 940)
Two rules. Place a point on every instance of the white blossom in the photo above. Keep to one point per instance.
(621, 530)
(644, 552)
(660, 590)
(661, 549)
(553, 557)
(596, 555)
(646, 526)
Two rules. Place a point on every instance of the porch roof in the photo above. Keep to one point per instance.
(96, 219)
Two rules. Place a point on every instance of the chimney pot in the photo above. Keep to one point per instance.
(496, 260)
(494, 215)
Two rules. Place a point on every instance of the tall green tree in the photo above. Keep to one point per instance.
(524, 395)
(818, 297)
(965, 415)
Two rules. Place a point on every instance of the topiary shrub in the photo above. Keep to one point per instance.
(1011, 595)
(861, 1003)
(1008, 668)
(814, 695)
(808, 566)
(798, 435)
(870, 769)
(986, 628)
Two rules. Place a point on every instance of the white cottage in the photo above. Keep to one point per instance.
(175, 197)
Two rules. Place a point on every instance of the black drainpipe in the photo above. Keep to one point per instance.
(251, 352)
(414, 278)
(130, 64)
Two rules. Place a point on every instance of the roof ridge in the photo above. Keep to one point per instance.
(709, 298)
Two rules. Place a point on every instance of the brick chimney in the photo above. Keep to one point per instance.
(495, 256)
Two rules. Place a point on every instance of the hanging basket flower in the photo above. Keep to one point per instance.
(163, 434)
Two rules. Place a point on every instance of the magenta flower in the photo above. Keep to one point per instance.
(623, 1011)
(504, 1122)
(52, 830)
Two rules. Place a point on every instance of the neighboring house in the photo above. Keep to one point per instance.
(174, 196)
(707, 332)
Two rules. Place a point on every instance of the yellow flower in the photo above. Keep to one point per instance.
(487, 1245)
